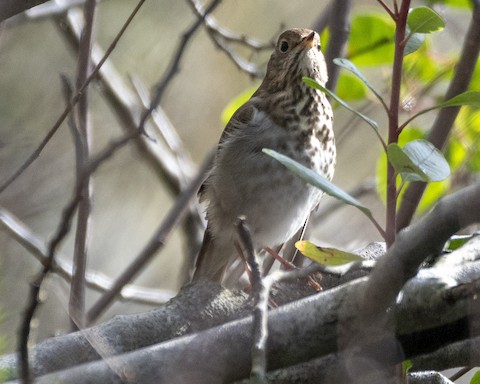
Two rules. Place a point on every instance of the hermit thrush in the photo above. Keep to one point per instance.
(286, 115)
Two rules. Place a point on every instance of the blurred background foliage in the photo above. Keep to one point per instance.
(129, 198)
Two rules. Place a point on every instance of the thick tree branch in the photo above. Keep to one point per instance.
(299, 332)
(305, 330)
(411, 248)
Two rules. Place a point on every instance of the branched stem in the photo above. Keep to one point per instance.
(393, 14)
(401, 22)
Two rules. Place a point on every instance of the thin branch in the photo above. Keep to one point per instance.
(445, 118)
(62, 230)
(175, 171)
(162, 149)
(174, 217)
(74, 101)
(174, 66)
(221, 37)
(34, 299)
(400, 31)
(94, 279)
(258, 373)
(77, 291)
(393, 14)
(214, 27)
(459, 374)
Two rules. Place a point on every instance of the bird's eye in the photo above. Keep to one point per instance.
(283, 46)
(319, 47)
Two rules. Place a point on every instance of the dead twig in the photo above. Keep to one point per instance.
(94, 279)
(174, 66)
(77, 291)
(74, 101)
(173, 218)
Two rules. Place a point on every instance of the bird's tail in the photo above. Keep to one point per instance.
(212, 259)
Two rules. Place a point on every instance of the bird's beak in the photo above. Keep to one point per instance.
(309, 40)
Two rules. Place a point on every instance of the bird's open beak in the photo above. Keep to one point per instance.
(309, 40)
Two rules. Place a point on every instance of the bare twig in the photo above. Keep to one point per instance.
(77, 291)
(162, 149)
(174, 66)
(393, 14)
(229, 36)
(173, 218)
(169, 161)
(94, 279)
(74, 101)
(258, 373)
(62, 230)
(460, 373)
(221, 37)
(445, 118)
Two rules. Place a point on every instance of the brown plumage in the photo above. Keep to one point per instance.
(285, 115)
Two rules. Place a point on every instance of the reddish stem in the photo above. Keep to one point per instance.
(401, 22)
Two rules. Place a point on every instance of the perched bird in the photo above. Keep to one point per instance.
(285, 115)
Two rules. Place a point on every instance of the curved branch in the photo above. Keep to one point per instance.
(312, 327)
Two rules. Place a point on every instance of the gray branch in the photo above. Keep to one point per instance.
(300, 332)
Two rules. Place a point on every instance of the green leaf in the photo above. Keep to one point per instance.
(471, 98)
(408, 134)
(475, 378)
(414, 42)
(371, 39)
(468, 98)
(349, 66)
(350, 88)
(407, 365)
(312, 83)
(433, 192)
(419, 160)
(236, 103)
(404, 165)
(315, 179)
(454, 3)
(424, 20)
(325, 256)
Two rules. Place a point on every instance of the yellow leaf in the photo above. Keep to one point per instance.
(325, 256)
